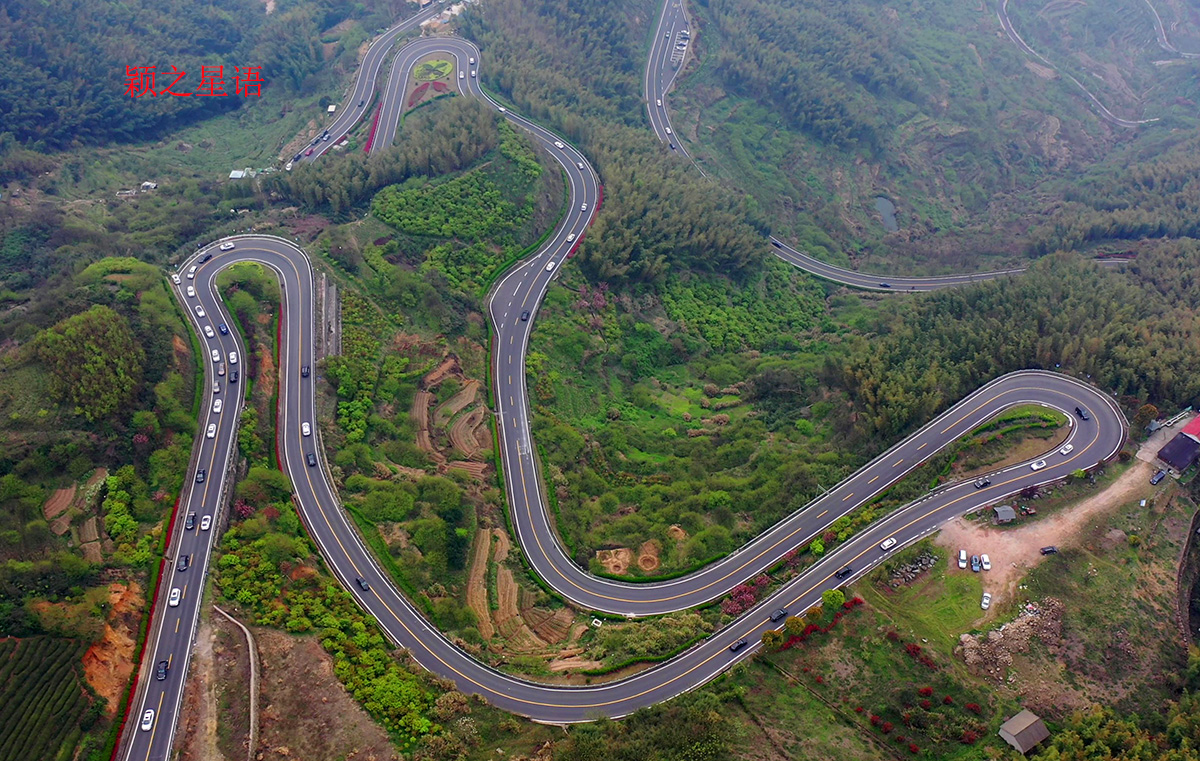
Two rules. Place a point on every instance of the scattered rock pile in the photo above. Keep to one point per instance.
(908, 572)
(991, 654)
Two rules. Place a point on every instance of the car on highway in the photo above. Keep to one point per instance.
(192, 272)
(216, 408)
(148, 720)
(667, 130)
(1082, 413)
(191, 292)
(227, 245)
(844, 572)
(658, 101)
(558, 144)
(207, 257)
(982, 482)
(525, 316)
(215, 354)
(985, 561)
(233, 357)
(888, 543)
(209, 332)
(472, 59)
(184, 562)
(570, 237)
(309, 152)
(206, 523)
(325, 135)
(224, 329)
(304, 371)
(1038, 465)
(986, 602)
(221, 369)
(297, 157)
(738, 645)
(672, 145)
(312, 459)
(189, 523)
(885, 285)
(216, 387)
(472, 72)
(1066, 449)
(462, 75)
(1157, 477)
(962, 559)
(161, 673)
(175, 278)
(211, 432)
(778, 615)
(199, 311)
(362, 583)
(233, 377)
(361, 102)
(549, 266)
(305, 429)
(976, 566)
(201, 475)
(174, 597)
(1051, 550)
(502, 110)
(579, 164)
(583, 207)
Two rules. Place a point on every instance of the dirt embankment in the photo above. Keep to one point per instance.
(477, 592)
(108, 663)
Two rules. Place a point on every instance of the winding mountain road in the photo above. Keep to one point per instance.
(512, 307)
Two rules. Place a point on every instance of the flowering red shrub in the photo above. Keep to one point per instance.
(856, 601)
(875, 720)
(925, 692)
(906, 717)
(894, 636)
(969, 737)
(927, 662)
(828, 537)
(243, 509)
(913, 649)
(974, 708)
(741, 598)
(888, 727)
(899, 738)
(926, 704)
(948, 700)
(858, 709)
(271, 512)
(912, 748)
(792, 558)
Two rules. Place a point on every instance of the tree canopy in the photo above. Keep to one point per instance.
(94, 362)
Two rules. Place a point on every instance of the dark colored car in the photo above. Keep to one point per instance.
(976, 565)
(297, 157)
(233, 376)
(1051, 550)
(885, 285)
(776, 244)
(161, 674)
(184, 560)
(363, 583)
(525, 316)
(778, 615)
(312, 459)
(205, 258)
(224, 329)
(982, 482)
(738, 645)
(200, 475)
(1157, 477)
(190, 522)
(1082, 413)
(304, 371)
(360, 103)
(844, 572)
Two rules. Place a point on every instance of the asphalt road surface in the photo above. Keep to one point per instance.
(512, 307)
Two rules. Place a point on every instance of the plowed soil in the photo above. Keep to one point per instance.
(456, 403)
(59, 501)
(108, 664)
(477, 591)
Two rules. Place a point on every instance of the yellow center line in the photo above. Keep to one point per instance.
(873, 480)
(848, 496)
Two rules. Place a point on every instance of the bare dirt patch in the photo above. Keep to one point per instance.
(1014, 551)
(108, 663)
(677, 533)
(477, 592)
(59, 501)
(456, 403)
(216, 713)
(574, 663)
(615, 561)
(1024, 447)
(648, 556)
(320, 721)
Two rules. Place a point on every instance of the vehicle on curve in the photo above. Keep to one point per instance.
(221, 369)
(525, 316)
(549, 266)
(208, 257)
(667, 130)
(227, 245)
(362, 583)
(472, 60)
(583, 207)
(558, 144)
(361, 102)
(312, 459)
(216, 408)
(659, 101)
(233, 357)
(570, 237)
(888, 543)
(503, 110)
(1038, 465)
(192, 272)
(199, 311)
(1082, 413)
(224, 329)
(175, 278)
(191, 292)
(305, 429)
(233, 377)
(216, 387)
(472, 72)
(216, 355)
(579, 164)
(1066, 449)
(462, 75)
(209, 332)
(982, 482)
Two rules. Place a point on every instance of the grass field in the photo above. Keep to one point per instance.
(40, 718)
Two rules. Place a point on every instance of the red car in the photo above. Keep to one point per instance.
(308, 152)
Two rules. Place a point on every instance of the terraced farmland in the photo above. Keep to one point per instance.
(42, 698)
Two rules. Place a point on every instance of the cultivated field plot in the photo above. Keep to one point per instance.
(42, 700)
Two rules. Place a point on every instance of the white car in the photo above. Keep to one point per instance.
(472, 60)
(211, 432)
(216, 355)
(173, 600)
(503, 110)
(472, 72)
(558, 144)
(191, 292)
(209, 332)
(192, 272)
(199, 311)
(583, 207)
(986, 602)
(175, 278)
(148, 720)
(217, 406)
(986, 561)
(667, 130)
(659, 101)
(305, 429)
(227, 246)
(962, 559)
(216, 387)
(888, 543)
(579, 164)
(1038, 465)
(206, 523)
(462, 75)
(1066, 449)
(549, 266)
(233, 357)
(570, 237)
